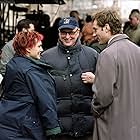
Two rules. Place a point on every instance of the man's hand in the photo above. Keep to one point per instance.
(88, 77)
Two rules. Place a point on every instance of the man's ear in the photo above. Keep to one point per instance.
(107, 27)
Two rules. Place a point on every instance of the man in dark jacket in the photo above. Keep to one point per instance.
(72, 63)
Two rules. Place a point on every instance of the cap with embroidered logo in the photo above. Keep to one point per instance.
(68, 23)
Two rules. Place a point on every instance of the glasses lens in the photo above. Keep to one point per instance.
(71, 33)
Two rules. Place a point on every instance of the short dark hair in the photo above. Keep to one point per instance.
(135, 13)
(135, 10)
(73, 13)
(24, 23)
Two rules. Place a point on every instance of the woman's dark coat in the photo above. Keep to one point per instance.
(27, 107)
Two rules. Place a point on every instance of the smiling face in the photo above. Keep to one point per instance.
(35, 51)
(103, 33)
(28, 44)
(68, 37)
(106, 23)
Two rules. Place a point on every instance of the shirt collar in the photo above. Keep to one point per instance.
(112, 38)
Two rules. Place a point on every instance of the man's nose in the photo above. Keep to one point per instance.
(94, 35)
(67, 35)
(41, 49)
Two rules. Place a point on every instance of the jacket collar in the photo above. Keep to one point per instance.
(39, 62)
(116, 38)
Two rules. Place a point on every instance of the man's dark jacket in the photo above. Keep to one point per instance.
(73, 96)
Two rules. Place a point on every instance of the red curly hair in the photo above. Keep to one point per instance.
(23, 40)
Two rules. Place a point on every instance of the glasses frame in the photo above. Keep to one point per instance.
(71, 33)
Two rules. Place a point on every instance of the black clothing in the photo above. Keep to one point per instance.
(73, 96)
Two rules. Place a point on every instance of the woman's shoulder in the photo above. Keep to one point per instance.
(21, 64)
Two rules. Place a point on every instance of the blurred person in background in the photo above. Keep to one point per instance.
(8, 50)
(89, 38)
(127, 23)
(27, 105)
(72, 63)
(75, 14)
(1, 77)
(51, 35)
(133, 28)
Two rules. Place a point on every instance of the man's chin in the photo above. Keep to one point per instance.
(68, 44)
(101, 43)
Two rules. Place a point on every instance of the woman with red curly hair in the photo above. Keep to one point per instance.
(27, 106)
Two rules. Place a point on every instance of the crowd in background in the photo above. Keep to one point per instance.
(131, 28)
(42, 24)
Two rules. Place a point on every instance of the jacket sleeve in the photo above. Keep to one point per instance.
(6, 55)
(103, 86)
(42, 88)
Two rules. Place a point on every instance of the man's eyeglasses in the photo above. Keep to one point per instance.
(71, 33)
